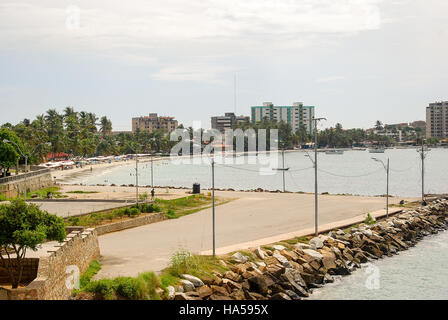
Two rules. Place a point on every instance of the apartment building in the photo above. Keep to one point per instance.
(297, 115)
(153, 122)
(227, 121)
(437, 120)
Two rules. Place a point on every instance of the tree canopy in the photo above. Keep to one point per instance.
(24, 226)
(9, 153)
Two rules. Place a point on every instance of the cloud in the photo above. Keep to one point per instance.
(330, 79)
(145, 31)
(189, 72)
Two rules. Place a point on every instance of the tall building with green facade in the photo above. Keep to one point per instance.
(297, 115)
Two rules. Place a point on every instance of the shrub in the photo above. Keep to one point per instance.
(130, 288)
(149, 207)
(133, 212)
(92, 270)
(369, 220)
(170, 214)
(74, 221)
(118, 213)
(105, 288)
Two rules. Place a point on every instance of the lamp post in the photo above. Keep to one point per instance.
(387, 168)
(316, 201)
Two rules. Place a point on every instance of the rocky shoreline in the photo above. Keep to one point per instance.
(291, 272)
(217, 189)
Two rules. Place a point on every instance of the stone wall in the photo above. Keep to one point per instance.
(29, 272)
(12, 186)
(79, 249)
(131, 223)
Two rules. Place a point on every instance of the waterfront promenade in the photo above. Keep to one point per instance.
(252, 216)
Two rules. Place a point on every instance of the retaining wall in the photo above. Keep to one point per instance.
(131, 223)
(79, 249)
(35, 180)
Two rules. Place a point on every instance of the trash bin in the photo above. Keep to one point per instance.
(196, 188)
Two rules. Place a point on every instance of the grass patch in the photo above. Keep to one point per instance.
(184, 262)
(107, 216)
(142, 287)
(177, 208)
(87, 276)
(172, 209)
(145, 285)
(45, 193)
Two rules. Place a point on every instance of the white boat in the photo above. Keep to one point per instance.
(335, 151)
(359, 149)
(376, 150)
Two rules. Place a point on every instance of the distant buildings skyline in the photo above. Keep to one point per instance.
(297, 115)
(437, 120)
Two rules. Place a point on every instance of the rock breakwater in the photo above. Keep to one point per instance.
(292, 271)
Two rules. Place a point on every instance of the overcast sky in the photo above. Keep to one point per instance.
(355, 60)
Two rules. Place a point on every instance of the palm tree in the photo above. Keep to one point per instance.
(105, 126)
(378, 125)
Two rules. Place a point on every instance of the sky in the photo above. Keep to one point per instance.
(356, 61)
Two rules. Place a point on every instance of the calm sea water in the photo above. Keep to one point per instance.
(354, 172)
(418, 273)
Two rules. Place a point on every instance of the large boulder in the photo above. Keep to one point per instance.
(278, 247)
(194, 280)
(260, 284)
(170, 292)
(280, 296)
(313, 254)
(187, 285)
(204, 291)
(316, 243)
(239, 257)
(282, 259)
(294, 278)
(259, 253)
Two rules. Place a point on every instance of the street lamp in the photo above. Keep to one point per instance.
(386, 167)
(316, 203)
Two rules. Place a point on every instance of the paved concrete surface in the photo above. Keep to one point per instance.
(70, 208)
(253, 216)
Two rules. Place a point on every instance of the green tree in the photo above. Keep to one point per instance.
(9, 154)
(105, 126)
(24, 226)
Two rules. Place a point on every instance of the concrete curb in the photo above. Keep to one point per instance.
(301, 233)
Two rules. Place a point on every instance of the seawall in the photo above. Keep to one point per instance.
(288, 271)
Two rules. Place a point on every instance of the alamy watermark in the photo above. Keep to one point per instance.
(73, 18)
(227, 148)
(73, 279)
(373, 279)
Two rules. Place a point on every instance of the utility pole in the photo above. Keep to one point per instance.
(423, 156)
(283, 169)
(316, 200)
(152, 178)
(136, 178)
(387, 168)
(213, 204)
(387, 190)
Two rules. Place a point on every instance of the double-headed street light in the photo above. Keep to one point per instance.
(386, 167)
